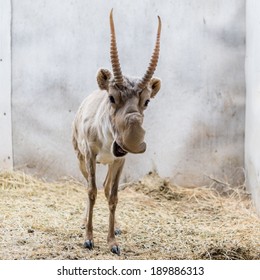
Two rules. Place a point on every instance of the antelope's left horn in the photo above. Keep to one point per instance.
(154, 59)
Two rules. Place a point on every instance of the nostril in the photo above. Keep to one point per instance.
(129, 112)
(133, 113)
(134, 118)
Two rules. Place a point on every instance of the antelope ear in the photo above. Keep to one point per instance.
(155, 84)
(103, 77)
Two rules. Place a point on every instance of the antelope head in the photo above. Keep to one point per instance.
(128, 98)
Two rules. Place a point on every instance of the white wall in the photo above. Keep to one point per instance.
(195, 126)
(252, 139)
(6, 153)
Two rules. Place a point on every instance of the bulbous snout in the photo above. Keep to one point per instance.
(132, 137)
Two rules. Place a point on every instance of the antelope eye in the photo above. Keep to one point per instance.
(112, 99)
(146, 102)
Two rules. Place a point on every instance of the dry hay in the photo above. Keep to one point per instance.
(41, 220)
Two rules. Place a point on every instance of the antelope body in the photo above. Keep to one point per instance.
(107, 126)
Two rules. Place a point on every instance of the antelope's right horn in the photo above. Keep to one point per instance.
(114, 54)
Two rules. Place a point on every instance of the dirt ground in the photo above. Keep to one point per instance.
(41, 220)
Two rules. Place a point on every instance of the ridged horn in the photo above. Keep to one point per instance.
(154, 59)
(114, 54)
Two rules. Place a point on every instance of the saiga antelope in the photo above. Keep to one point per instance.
(108, 125)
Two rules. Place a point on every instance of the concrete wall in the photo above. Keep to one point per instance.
(195, 126)
(252, 139)
(6, 154)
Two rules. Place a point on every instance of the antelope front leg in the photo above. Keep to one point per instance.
(107, 189)
(115, 172)
(92, 194)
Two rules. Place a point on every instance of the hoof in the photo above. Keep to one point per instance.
(89, 244)
(118, 231)
(115, 250)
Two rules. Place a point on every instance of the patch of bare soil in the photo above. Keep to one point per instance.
(41, 220)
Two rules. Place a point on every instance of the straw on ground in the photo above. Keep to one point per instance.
(42, 220)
